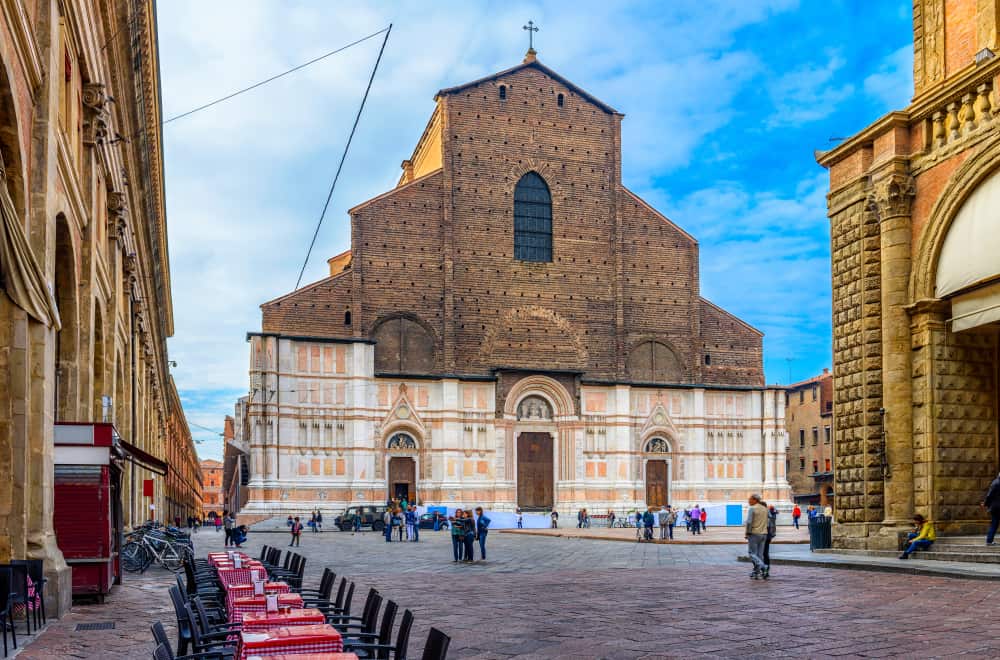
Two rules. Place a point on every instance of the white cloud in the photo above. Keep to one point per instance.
(807, 93)
(246, 179)
(892, 83)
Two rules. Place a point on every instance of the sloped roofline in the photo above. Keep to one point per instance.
(731, 315)
(393, 191)
(536, 65)
(308, 287)
(648, 207)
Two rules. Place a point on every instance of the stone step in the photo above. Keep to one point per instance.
(979, 558)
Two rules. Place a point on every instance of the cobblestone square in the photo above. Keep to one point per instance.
(539, 597)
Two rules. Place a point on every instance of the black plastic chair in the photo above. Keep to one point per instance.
(209, 642)
(381, 651)
(160, 639)
(365, 623)
(339, 605)
(325, 586)
(19, 591)
(370, 645)
(36, 570)
(208, 624)
(436, 647)
(6, 609)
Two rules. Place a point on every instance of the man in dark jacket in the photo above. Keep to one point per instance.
(992, 504)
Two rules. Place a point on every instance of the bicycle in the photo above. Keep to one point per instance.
(147, 545)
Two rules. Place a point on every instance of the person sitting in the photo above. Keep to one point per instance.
(922, 538)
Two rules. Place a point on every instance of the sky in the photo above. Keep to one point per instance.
(725, 104)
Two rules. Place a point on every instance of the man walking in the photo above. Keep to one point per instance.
(671, 521)
(663, 519)
(756, 536)
(992, 504)
(796, 514)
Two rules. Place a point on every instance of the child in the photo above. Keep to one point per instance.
(239, 535)
(296, 532)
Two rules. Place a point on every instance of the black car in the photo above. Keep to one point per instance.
(371, 516)
(427, 521)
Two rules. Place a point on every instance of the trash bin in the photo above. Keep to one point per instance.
(820, 537)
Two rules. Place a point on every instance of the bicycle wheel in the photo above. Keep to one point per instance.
(134, 557)
(171, 559)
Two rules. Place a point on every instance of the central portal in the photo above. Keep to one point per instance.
(402, 478)
(534, 470)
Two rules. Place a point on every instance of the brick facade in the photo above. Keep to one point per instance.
(432, 306)
(809, 422)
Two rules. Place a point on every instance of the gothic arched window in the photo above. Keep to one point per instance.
(532, 219)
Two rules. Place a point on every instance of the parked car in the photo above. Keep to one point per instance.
(371, 516)
(427, 521)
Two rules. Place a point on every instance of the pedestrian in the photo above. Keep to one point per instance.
(312, 522)
(703, 521)
(647, 524)
(695, 519)
(992, 504)
(469, 525)
(387, 524)
(356, 524)
(811, 512)
(457, 534)
(671, 521)
(218, 524)
(319, 521)
(921, 538)
(772, 531)
(756, 536)
(796, 514)
(397, 522)
(579, 519)
(239, 535)
(296, 532)
(520, 519)
(190, 522)
(662, 519)
(555, 519)
(197, 524)
(687, 520)
(177, 521)
(410, 516)
(289, 522)
(227, 524)
(482, 529)
(611, 518)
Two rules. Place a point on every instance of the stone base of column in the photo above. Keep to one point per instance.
(59, 576)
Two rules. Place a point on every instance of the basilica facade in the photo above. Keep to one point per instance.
(511, 327)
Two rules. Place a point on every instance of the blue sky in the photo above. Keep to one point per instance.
(725, 103)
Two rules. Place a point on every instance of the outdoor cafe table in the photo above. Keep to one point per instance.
(216, 558)
(229, 575)
(261, 621)
(306, 656)
(246, 604)
(234, 591)
(292, 640)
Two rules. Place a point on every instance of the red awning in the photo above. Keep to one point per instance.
(142, 458)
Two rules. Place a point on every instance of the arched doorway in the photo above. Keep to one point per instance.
(535, 455)
(401, 481)
(657, 470)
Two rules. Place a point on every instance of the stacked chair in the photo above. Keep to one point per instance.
(204, 633)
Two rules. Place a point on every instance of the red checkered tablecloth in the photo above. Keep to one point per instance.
(263, 621)
(293, 640)
(241, 575)
(306, 656)
(216, 558)
(234, 591)
(241, 606)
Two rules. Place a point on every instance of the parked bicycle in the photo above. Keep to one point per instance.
(147, 545)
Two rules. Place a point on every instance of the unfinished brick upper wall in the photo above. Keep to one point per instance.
(439, 249)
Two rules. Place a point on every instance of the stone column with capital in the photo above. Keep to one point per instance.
(890, 198)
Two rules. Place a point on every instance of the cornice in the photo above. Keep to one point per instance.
(25, 45)
(868, 134)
